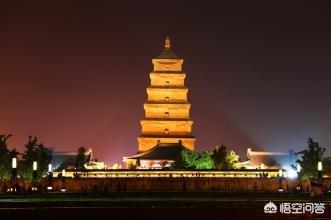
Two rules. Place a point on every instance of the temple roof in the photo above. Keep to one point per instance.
(167, 52)
(162, 151)
(270, 158)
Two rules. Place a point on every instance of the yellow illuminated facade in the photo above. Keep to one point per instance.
(254, 173)
(167, 110)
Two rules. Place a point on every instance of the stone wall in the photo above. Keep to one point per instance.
(177, 184)
(105, 185)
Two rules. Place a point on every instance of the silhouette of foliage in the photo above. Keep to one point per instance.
(6, 157)
(310, 158)
(224, 159)
(35, 152)
(219, 156)
(81, 159)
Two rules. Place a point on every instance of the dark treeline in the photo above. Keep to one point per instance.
(34, 151)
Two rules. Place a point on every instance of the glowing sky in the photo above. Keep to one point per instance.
(75, 73)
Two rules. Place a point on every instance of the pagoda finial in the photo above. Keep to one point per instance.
(167, 44)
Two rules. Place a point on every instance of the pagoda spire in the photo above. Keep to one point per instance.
(167, 52)
(167, 44)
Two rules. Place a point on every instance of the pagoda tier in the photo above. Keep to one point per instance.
(166, 126)
(167, 94)
(167, 110)
(167, 79)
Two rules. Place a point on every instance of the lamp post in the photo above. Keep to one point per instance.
(298, 168)
(319, 170)
(14, 183)
(280, 180)
(63, 180)
(49, 177)
(14, 167)
(299, 186)
(34, 176)
(280, 173)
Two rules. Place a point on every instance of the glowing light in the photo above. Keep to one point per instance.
(14, 163)
(298, 168)
(319, 166)
(291, 173)
(49, 167)
(63, 190)
(49, 188)
(280, 173)
(116, 166)
(34, 165)
(63, 173)
(262, 166)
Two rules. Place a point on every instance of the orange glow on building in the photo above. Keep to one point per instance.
(167, 110)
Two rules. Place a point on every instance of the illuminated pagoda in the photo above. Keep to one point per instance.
(167, 127)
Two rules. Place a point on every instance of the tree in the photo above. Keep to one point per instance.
(231, 160)
(219, 156)
(193, 160)
(224, 159)
(179, 162)
(310, 158)
(132, 166)
(6, 157)
(35, 152)
(189, 157)
(138, 162)
(204, 161)
(81, 159)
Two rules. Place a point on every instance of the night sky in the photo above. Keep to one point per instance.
(75, 73)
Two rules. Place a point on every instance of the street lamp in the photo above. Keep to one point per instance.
(280, 173)
(299, 187)
(14, 167)
(14, 163)
(319, 166)
(34, 166)
(14, 175)
(298, 168)
(34, 176)
(319, 170)
(63, 180)
(280, 180)
(50, 177)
